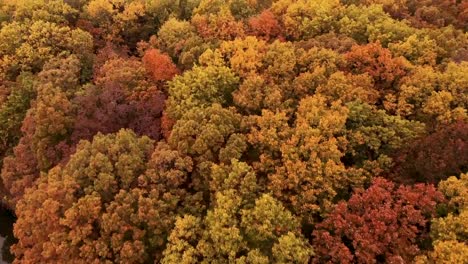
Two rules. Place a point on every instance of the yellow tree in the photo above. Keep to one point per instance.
(449, 232)
(240, 227)
(27, 46)
(304, 19)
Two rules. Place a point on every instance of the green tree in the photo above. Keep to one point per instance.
(13, 112)
(208, 135)
(200, 87)
(374, 134)
(371, 24)
(181, 41)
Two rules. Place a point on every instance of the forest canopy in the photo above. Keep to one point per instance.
(235, 131)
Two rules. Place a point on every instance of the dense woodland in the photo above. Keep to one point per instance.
(235, 131)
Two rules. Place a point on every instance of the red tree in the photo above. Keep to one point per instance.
(122, 97)
(384, 223)
(20, 170)
(109, 108)
(435, 157)
(265, 26)
(377, 62)
(159, 65)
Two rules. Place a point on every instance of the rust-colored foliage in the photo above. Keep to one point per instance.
(378, 62)
(159, 65)
(435, 157)
(113, 201)
(384, 222)
(108, 52)
(97, 33)
(438, 13)
(166, 125)
(265, 26)
(20, 170)
(272, 125)
(121, 98)
(46, 125)
(220, 26)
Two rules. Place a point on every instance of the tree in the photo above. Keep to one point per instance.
(454, 189)
(378, 62)
(280, 61)
(448, 13)
(265, 26)
(110, 202)
(127, 22)
(254, 94)
(449, 232)
(447, 252)
(182, 241)
(374, 134)
(419, 50)
(398, 9)
(13, 112)
(371, 23)
(19, 170)
(239, 227)
(310, 174)
(46, 126)
(434, 97)
(434, 157)
(336, 42)
(274, 76)
(159, 65)
(28, 46)
(218, 26)
(181, 41)
(123, 97)
(208, 135)
(348, 88)
(56, 11)
(305, 19)
(200, 87)
(450, 42)
(448, 104)
(244, 55)
(239, 8)
(303, 161)
(384, 222)
(219, 236)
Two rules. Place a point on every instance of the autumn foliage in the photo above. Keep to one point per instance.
(435, 157)
(160, 66)
(237, 131)
(383, 223)
(376, 61)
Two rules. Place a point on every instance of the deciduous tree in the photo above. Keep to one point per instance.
(159, 65)
(378, 62)
(384, 222)
(434, 157)
(111, 202)
(200, 87)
